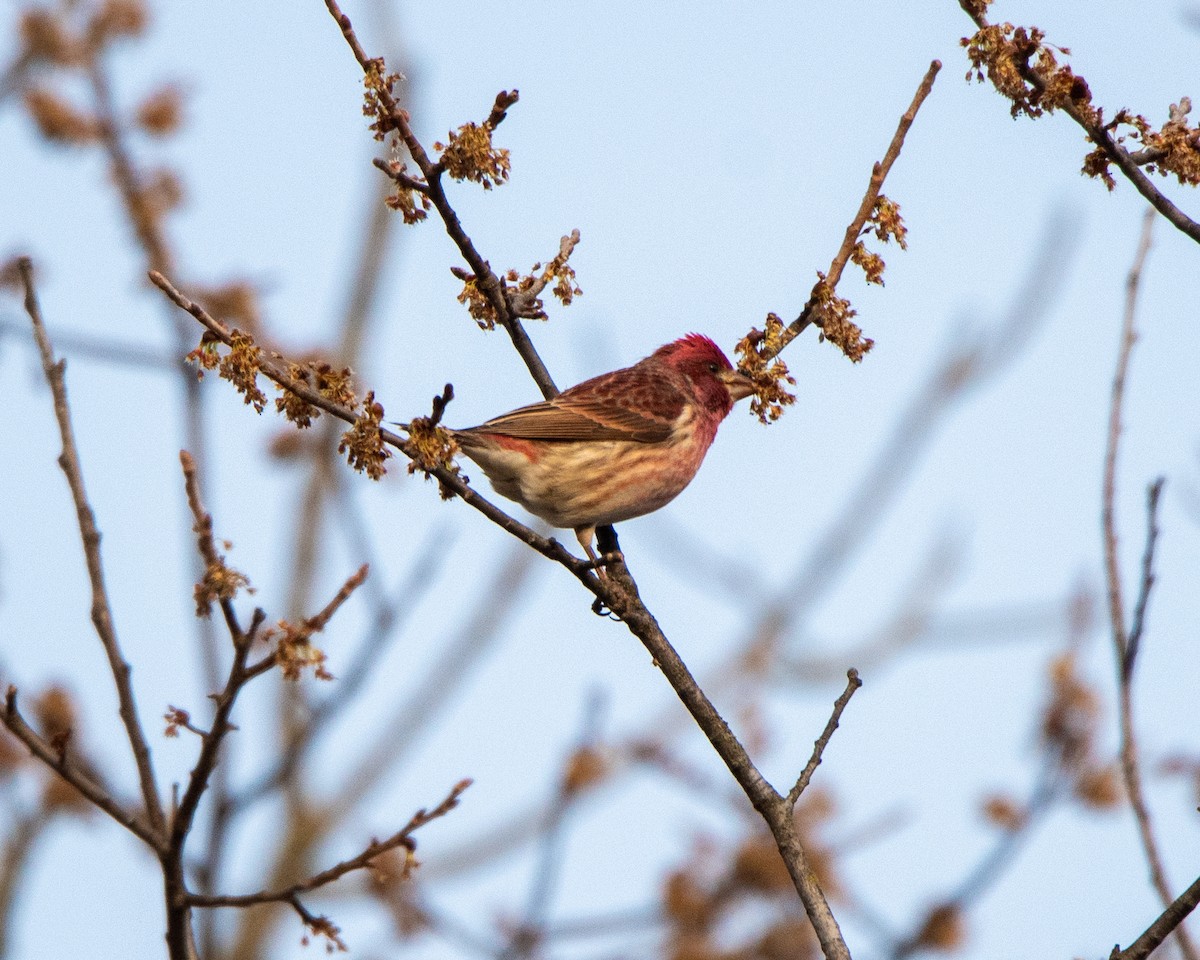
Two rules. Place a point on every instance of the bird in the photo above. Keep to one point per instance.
(617, 446)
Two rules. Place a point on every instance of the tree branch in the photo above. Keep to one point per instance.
(102, 617)
(1126, 642)
(402, 837)
(1099, 134)
(61, 763)
(1160, 929)
(433, 188)
(823, 741)
(878, 174)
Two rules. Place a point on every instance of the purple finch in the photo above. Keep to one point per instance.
(614, 447)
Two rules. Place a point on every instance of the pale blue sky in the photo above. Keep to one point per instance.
(711, 156)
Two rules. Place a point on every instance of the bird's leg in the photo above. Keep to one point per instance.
(607, 556)
(610, 549)
(585, 535)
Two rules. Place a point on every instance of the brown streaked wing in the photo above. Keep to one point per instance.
(568, 418)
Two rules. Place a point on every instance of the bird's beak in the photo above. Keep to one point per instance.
(738, 384)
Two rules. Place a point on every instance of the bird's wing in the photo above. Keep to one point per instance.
(602, 409)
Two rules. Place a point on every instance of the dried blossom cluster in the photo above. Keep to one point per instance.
(219, 582)
(887, 225)
(758, 359)
(407, 199)
(431, 447)
(1023, 67)
(1172, 149)
(330, 382)
(243, 360)
(378, 102)
(832, 314)
(522, 292)
(1071, 729)
(469, 154)
(524, 288)
(706, 900)
(363, 443)
(295, 652)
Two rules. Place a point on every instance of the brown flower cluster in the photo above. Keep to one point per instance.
(523, 290)
(1172, 149)
(1005, 812)
(469, 153)
(220, 582)
(377, 97)
(430, 447)
(886, 223)
(58, 718)
(240, 367)
(58, 120)
(161, 113)
(704, 901)
(1070, 728)
(295, 652)
(363, 443)
(294, 649)
(407, 199)
(758, 359)
(586, 769)
(70, 34)
(331, 383)
(943, 930)
(833, 315)
(1023, 68)
(477, 302)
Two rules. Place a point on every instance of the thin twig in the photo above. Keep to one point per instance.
(1160, 929)
(402, 838)
(1125, 641)
(101, 349)
(388, 618)
(1116, 605)
(24, 831)
(433, 188)
(277, 373)
(1138, 625)
(878, 174)
(852, 685)
(102, 618)
(1102, 137)
(65, 766)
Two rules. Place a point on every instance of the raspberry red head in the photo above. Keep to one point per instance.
(614, 447)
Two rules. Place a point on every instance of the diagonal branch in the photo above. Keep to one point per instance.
(277, 373)
(878, 174)
(619, 595)
(1126, 641)
(852, 685)
(402, 838)
(102, 617)
(1101, 136)
(61, 763)
(1160, 929)
(486, 279)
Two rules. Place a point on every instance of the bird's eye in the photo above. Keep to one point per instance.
(713, 367)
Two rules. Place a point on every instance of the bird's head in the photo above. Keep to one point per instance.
(718, 386)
